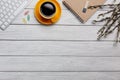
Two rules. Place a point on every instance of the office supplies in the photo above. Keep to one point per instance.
(28, 17)
(26, 13)
(9, 9)
(78, 7)
(47, 12)
(86, 6)
(24, 21)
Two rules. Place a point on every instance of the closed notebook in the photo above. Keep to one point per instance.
(77, 6)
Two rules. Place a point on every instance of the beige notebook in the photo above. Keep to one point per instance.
(79, 8)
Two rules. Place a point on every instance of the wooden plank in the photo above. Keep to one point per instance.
(40, 32)
(67, 18)
(63, 7)
(58, 63)
(33, 3)
(60, 76)
(57, 48)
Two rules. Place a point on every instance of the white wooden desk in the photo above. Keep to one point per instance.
(67, 50)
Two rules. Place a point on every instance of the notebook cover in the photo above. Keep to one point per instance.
(76, 6)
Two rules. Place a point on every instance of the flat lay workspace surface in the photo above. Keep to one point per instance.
(67, 50)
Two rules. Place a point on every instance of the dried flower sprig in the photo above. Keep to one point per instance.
(112, 22)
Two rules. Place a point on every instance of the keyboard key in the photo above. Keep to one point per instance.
(9, 1)
(6, 4)
(1, 15)
(4, 12)
(7, 9)
(11, 11)
(3, 7)
(8, 20)
(1, 3)
(9, 14)
(1, 22)
(6, 23)
(0, 10)
(10, 7)
(3, 19)
(3, 27)
(6, 16)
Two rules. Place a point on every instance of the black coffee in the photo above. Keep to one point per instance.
(48, 9)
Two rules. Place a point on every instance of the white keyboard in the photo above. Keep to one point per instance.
(9, 9)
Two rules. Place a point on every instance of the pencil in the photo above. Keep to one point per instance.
(86, 6)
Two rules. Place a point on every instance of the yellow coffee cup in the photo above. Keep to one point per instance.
(47, 11)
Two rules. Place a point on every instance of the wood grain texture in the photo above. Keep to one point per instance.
(55, 32)
(60, 76)
(59, 48)
(60, 64)
(67, 50)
